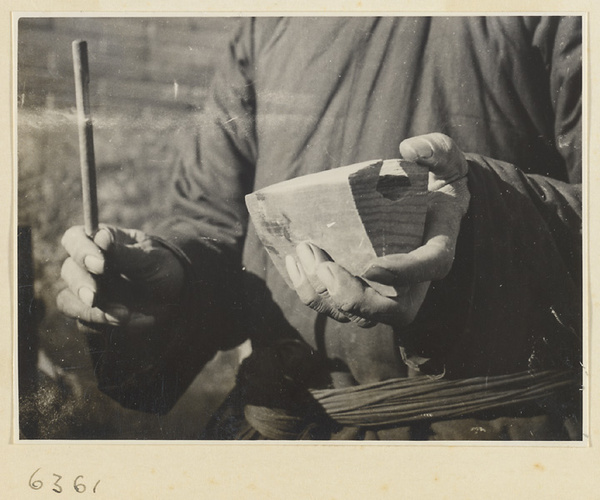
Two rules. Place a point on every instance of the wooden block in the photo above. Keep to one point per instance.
(355, 213)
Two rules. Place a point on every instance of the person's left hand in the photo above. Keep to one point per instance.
(328, 288)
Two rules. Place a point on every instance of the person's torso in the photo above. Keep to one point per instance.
(335, 91)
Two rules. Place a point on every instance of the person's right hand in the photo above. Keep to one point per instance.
(120, 278)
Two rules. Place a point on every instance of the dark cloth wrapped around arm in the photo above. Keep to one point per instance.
(512, 300)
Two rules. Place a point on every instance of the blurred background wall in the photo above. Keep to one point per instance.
(149, 79)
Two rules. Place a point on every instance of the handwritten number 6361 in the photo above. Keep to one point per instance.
(78, 484)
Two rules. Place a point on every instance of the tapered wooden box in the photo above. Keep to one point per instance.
(355, 213)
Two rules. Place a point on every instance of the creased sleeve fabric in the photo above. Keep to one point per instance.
(559, 40)
(209, 218)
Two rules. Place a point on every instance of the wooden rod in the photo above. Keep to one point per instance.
(86, 137)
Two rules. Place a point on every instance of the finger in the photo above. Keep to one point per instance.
(439, 152)
(114, 242)
(318, 301)
(97, 292)
(83, 250)
(113, 314)
(109, 236)
(129, 251)
(355, 298)
(310, 256)
(105, 237)
(70, 305)
(80, 282)
(348, 293)
(431, 261)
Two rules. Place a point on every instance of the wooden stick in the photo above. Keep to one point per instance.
(86, 137)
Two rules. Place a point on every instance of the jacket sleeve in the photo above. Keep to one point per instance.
(559, 40)
(208, 222)
(512, 300)
(206, 230)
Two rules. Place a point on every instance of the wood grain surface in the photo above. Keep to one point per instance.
(355, 213)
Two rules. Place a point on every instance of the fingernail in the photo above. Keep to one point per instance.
(422, 148)
(408, 152)
(103, 238)
(307, 257)
(380, 274)
(116, 314)
(293, 271)
(94, 264)
(325, 274)
(86, 295)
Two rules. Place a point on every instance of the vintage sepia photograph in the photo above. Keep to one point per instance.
(301, 228)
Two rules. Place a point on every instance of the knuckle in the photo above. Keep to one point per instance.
(306, 297)
(311, 302)
(365, 323)
(350, 306)
(65, 270)
(61, 299)
(67, 237)
(71, 234)
(444, 266)
(316, 304)
(447, 143)
(349, 300)
(70, 305)
(358, 298)
(85, 315)
(323, 292)
(322, 305)
(355, 304)
(315, 283)
(342, 318)
(323, 308)
(441, 142)
(360, 320)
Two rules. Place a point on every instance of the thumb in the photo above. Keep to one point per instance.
(126, 249)
(439, 152)
(105, 237)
